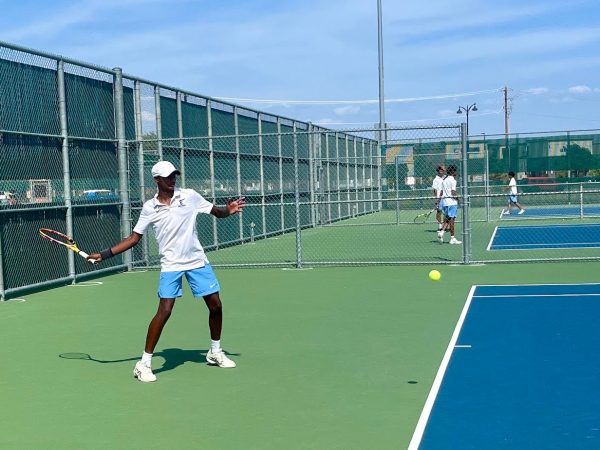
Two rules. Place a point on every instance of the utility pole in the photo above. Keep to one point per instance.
(380, 53)
(506, 112)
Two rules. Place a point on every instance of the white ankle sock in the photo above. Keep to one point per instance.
(215, 346)
(147, 359)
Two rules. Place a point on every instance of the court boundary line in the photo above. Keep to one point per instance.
(539, 284)
(547, 247)
(557, 225)
(489, 246)
(415, 442)
(537, 295)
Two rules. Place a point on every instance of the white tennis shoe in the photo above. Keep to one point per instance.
(440, 235)
(522, 211)
(455, 241)
(219, 358)
(143, 373)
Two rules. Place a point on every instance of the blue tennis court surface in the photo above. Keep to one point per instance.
(545, 236)
(521, 372)
(553, 211)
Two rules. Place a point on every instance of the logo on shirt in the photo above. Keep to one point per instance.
(181, 203)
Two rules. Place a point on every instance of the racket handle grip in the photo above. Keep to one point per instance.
(85, 255)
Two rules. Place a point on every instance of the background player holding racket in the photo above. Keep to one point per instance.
(436, 186)
(449, 203)
(172, 214)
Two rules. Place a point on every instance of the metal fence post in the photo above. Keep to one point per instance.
(158, 122)
(211, 165)
(581, 210)
(311, 172)
(465, 195)
(261, 170)
(297, 202)
(337, 186)
(281, 187)
(238, 168)
(137, 98)
(122, 158)
(180, 136)
(62, 109)
(2, 287)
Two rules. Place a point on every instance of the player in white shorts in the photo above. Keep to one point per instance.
(450, 205)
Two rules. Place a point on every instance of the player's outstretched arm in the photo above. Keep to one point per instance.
(127, 243)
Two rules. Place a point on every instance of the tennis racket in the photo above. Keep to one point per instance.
(422, 218)
(62, 239)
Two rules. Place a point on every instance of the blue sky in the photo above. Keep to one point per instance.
(437, 55)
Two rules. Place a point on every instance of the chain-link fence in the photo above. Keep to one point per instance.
(77, 142)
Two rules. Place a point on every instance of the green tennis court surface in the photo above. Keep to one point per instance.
(335, 358)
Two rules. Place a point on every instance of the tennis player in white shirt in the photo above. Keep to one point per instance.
(513, 198)
(449, 204)
(172, 214)
(436, 186)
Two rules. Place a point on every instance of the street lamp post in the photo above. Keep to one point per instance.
(467, 109)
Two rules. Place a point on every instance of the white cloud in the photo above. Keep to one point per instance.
(346, 110)
(537, 91)
(581, 89)
(446, 113)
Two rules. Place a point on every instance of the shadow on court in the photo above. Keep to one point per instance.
(174, 357)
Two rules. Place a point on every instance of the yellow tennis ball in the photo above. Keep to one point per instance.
(435, 275)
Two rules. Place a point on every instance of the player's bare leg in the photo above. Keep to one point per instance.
(158, 322)
(216, 355)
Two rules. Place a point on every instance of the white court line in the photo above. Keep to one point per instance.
(437, 382)
(546, 246)
(462, 346)
(545, 243)
(558, 225)
(537, 295)
(540, 284)
(87, 283)
(492, 239)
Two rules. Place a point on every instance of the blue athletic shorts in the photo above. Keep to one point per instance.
(450, 211)
(202, 281)
(513, 198)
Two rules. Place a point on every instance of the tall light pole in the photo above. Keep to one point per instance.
(467, 109)
(380, 51)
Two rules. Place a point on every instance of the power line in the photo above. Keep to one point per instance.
(354, 102)
(432, 120)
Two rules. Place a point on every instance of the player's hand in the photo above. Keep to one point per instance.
(235, 206)
(94, 258)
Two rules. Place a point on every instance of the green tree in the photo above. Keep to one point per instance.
(579, 160)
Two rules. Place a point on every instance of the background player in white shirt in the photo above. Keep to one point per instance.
(449, 204)
(437, 193)
(172, 214)
(513, 199)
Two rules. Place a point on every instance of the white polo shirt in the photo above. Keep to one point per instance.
(437, 184)
(513, 186)
(448, 185)
(174, 226)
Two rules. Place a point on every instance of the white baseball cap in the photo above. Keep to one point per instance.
(164, 169)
